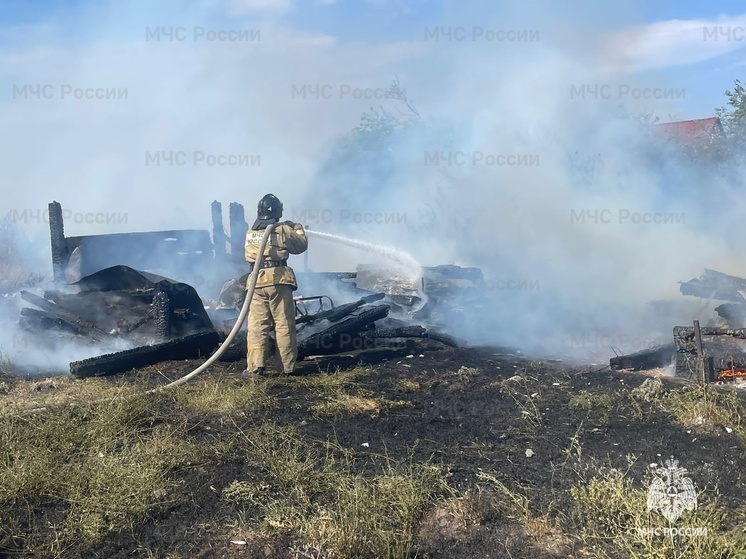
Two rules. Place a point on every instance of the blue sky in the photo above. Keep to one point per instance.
(383, 21)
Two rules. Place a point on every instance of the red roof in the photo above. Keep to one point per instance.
(692, 132)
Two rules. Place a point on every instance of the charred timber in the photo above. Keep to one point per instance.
(218, 233)
(652, 358)
(84, 326)
(238, 229)
(124, 327)
(722, 349)
(34, 320)
(686, 333)
(329, 340)
(338, 313)
(403, 332)
(60, 250)
(444, 338)
(194, 346)
(715, 285)
(70, 301)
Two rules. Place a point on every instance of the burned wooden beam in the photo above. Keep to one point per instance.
(60, 250)
(329, 340)
(339, 312)
(685, 334)
(124, 327)
(715, 285)
(652, 358)
(701, 372)
(444, 338)
(194, 346)
(401, 332)
(218, 233)
(238, 228)
(85, 326)
(35, 320)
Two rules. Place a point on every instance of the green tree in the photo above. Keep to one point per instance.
(733, 119)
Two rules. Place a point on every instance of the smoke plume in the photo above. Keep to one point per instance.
(493, 151)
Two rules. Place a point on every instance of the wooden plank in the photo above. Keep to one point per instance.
(652, 358)
(88, 328)
(218, 232)
(700, 351)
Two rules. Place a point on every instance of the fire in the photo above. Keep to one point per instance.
(732, 373)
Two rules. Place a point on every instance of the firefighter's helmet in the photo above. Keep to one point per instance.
(269, 207)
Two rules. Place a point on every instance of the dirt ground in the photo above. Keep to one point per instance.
(486, 414)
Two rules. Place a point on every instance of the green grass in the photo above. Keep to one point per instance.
(104, 458)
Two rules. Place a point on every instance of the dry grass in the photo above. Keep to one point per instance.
(62, 391)
(705, 405)
(347, 404)
(610, 517)
(315, 491)
(407, 385)
(103, 458)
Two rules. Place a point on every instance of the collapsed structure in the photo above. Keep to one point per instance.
(136, 299)
(713, 353)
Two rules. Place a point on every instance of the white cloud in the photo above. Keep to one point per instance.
(262, 6)
(672, 43)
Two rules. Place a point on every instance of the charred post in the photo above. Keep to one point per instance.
(700, 352)
(238, 230)
(218, 233)
(60, 253)
(707, 355)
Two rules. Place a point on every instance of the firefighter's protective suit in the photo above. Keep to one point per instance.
(272, 306)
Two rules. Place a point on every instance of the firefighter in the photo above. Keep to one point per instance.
(272, 306)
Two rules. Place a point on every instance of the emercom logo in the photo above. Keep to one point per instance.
(671, 492)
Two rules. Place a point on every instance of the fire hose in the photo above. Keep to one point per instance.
(239, 321)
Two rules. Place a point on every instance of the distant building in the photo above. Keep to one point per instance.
(699, 133)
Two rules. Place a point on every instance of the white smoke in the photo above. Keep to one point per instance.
(115, 164)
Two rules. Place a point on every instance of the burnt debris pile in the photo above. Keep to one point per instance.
(715, 352)
(114, 294)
